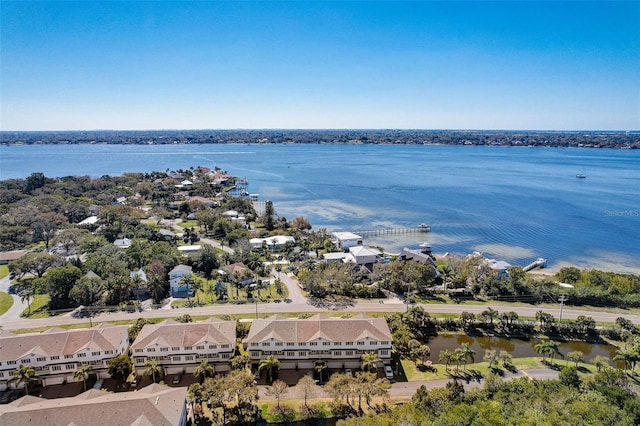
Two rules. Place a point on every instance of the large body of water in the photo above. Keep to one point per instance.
(514, 204)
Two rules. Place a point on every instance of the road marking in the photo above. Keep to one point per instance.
(527, 375)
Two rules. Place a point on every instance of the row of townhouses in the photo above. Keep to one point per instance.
(180, 347)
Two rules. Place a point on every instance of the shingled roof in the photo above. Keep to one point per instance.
(59, 342)
(170, 333)
(319, 327)
(154, 405)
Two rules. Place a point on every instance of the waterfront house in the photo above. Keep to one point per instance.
(303, 343)
(56, 354)
(335, 257)
(175, 281)
(180, 347)
(344, 240)
(363, 255)
(500, 267)
(156, 405)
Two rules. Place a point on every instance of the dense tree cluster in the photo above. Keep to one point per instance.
(601, 139)
(590, 287)
(572, 400)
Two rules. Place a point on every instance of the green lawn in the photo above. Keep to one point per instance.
(38, 307)
(4, 271)
(6, 302)
(263, 295)
(415, 372)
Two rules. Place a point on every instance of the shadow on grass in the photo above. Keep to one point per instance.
(467, 375)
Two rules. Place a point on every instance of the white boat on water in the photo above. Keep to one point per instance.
(424, 227)
(581, 176)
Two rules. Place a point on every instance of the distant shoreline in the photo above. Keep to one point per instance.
(506, 138)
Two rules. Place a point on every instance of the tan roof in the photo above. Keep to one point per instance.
(59, 342)
(154, 405)
(319, 326)
(8, 256)
(174, 334)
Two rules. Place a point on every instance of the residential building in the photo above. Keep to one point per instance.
(187, 250)
(180, 347)
(10, 256)
(344, 240)
(122, 243)
(57, 353)
(363, 255)
(153, 405)
(175, 281)
(302, 343)
(274, 243)
(239, 270)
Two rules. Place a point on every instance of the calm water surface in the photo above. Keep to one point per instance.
(516, 347)
(514, 204)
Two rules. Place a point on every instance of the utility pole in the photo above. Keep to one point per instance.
(562, 299)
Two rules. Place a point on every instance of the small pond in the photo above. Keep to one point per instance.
(518, 348)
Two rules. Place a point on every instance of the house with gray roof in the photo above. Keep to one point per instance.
(175, 281)
(302, 343)
(180, 347)
(57, 353)
(153, 405)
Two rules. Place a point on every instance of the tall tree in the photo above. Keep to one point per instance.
(277, 390)
(23, 374)
(269, 213)
(369, 361)
(204, 370)
(59, 282)
(152, 368)
(82, 374)
(271, 364)
(308, 387)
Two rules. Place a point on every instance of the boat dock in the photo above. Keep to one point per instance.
(393, 231)
(538, 263)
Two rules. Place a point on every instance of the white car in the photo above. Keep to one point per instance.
(347, 371)
(388, 372)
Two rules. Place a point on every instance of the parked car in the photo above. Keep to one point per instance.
(177, 378)
(388, 372)
(347, 371)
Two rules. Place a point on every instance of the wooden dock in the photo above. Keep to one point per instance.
(393, 231)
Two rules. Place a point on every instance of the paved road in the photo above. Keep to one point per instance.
(408, 389)
(275, 308)
(17, 307)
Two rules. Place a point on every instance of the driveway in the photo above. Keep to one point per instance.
(17, 307)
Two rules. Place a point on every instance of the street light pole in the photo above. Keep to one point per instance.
(562, 299)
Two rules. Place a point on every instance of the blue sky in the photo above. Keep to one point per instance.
(224, 65)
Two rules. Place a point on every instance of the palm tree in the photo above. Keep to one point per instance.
(23, 374)
(321, 369)
(270, 364)
(187, 282)
(152, 367)
(554, 349)
(489, 313)
(542, 348)
(82, 374)
(466, 354)
(446, 356)
(204, 370)
(369, 361)
(197, 285)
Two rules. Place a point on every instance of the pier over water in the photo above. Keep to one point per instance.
(393, 231)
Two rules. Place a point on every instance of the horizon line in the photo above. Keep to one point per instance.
(321, 129)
